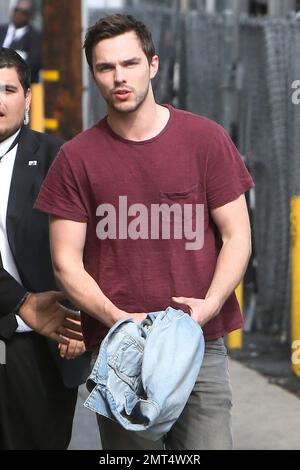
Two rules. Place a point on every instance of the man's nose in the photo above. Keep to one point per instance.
(2, 98)
(120, 75)
(2, 93)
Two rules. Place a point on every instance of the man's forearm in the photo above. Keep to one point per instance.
(85, 293)
(231, 266)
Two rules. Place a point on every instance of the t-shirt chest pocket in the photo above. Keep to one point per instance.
(185, 204)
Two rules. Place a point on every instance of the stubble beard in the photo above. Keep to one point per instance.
(8, 131)
(124, 108)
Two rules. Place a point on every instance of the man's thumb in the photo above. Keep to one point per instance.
(181, 300)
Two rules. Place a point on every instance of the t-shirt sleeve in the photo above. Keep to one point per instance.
(226, 174)
(61, 193)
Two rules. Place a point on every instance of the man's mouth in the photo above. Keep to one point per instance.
(122, 94)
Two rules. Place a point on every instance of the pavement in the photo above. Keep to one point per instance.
(265, 415)
(85, 435)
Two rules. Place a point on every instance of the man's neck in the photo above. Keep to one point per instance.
(18, 28)
(143, 124)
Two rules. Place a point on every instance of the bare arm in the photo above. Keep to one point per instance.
(67, 239)
(233, 223)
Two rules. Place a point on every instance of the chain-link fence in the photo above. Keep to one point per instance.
(268, 131)
(203, 64)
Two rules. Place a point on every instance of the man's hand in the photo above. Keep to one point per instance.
(202, 310)
(114, 314)
(118, 314)
(44, 314)
(74, 349)
(137, 317)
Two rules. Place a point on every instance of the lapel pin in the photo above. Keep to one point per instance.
(32, 163)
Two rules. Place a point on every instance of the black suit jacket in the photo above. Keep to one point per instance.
(27, 229)
(29, 43)
(28, 237)
(9, 297)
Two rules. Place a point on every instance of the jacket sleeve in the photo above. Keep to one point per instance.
(11, 292)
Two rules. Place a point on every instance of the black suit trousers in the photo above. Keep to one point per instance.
(36, 409)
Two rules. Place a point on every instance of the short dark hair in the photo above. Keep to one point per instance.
(115, 25)
(11, 59)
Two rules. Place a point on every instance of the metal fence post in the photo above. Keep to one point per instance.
(295, 294)
(235, 338)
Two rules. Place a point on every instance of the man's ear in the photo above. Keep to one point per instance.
(154, 66)
(28, 99)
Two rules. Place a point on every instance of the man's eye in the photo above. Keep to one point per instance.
(105, 68)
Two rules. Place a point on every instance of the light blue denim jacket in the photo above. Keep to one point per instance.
(145, 373)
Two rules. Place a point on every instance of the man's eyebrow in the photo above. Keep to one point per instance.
(104, 64)
(8, 87)
(125, 61)
(133, 59)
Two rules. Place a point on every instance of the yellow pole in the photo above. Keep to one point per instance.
(37, 114)
(295, 291)
(51, 124)
(235, 338)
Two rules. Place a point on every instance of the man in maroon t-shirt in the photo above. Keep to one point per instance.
(148, 210)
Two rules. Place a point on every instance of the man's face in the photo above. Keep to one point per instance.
(21, 14)
(122, 72)
(13, 103)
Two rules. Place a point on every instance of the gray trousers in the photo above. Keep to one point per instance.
(204, 424)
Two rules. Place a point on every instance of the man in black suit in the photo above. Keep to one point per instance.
(42, 312)
(36, 408)
(24, 38)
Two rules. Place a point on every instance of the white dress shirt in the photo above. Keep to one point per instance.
(14, 34)
(6, 171)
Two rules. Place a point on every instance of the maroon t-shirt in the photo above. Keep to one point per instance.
(191, 161)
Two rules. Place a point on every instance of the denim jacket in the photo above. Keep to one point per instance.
(145, 373)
